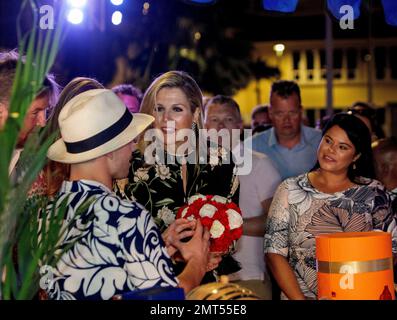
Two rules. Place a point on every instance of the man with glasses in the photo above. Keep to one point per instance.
(290, 145)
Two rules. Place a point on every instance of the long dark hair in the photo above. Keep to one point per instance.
(360, 137)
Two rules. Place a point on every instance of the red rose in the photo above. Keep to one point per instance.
(215, 218)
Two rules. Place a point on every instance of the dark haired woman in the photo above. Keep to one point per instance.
(338, 195)
(365, 112)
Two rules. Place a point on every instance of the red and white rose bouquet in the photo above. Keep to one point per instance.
(219, 215)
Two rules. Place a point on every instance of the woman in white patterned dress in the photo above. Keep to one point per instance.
(338, 195)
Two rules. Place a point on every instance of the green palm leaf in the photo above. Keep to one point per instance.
(20, 251)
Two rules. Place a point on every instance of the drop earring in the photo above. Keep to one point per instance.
(195, 129)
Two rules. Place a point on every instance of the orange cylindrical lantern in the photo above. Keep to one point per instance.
(355, 266)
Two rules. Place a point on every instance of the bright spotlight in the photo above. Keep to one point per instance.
(117, 16)
(75, 16)
(77, 3)
(279, 49)
(117, 2)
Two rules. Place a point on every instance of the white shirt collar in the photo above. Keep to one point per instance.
(15, 157)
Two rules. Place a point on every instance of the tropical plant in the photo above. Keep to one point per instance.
(206, 42)
(20, 252)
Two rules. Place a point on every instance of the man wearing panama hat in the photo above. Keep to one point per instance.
(113, 245)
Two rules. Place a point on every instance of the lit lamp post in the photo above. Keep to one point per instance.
(279, 50)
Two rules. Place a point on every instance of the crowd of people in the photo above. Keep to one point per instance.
(136, 158)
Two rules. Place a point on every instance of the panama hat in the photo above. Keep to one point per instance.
(94, 123)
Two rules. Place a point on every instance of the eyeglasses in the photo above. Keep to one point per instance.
(226, 121)
(281, 115)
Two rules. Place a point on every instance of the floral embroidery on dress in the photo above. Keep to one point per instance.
(162, 193)
(159, 187)
(163, 172)
(166, 215)
(141, 175)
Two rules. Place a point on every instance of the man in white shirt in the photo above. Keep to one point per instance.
(256, 192)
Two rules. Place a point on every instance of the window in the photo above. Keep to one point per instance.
(351, 54)
(323, 63)
(338, 54)
(310, 64)
(296, 56)
(380, 62)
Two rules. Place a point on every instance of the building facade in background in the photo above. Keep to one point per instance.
(360, 73)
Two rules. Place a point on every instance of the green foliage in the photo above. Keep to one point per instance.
(19, 252)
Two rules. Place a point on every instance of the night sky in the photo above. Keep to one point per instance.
(92, 52)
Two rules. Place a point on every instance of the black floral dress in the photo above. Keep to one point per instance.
(159, 186)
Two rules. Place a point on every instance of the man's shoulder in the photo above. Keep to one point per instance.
(295, 182)
(311, 134)
(112, 203)
(261, 141)
(262, 135)
(261, 159)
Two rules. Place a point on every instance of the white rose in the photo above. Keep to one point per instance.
(235, 219)
(219, 199)
(141, 175)
(163, 172)
(214, 160)
(207, 210)
(184, 211)
(223, 153)
(166, 215)
(195, 197)
(214, 157)
(217, 229)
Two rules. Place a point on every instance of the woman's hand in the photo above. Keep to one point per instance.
(197, 248)
(195, 252)
(214, 259)
(178, 230)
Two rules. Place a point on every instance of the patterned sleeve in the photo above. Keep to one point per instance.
(390, 222)
(383, 217)
(381, 211)
(147, 262)
(392, 227)
(277, 225)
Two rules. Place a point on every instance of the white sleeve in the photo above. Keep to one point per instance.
(267, 178)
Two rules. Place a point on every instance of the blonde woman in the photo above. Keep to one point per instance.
(178, 164)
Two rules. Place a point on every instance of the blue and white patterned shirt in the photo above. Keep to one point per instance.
(115, 247)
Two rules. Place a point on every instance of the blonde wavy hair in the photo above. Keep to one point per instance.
(173, 79)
